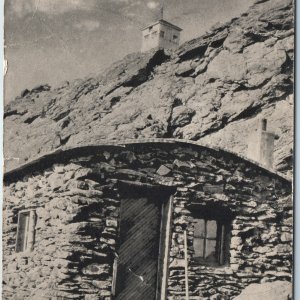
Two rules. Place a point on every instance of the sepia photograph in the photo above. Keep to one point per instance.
(148, 150)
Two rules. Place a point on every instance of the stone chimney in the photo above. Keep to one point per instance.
(261, 145)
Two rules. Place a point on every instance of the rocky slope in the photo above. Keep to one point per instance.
(212, 89)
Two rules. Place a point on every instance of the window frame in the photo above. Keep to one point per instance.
(223, 219)
(28, 231)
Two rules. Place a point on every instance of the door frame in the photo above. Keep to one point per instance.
(165, 233)
(164, 249)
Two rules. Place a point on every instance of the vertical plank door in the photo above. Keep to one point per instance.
(139, 247)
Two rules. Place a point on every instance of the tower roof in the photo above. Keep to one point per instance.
(161, 21)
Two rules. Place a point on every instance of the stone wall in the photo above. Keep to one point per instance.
(74, 241)
(77, 201)
(260, 247)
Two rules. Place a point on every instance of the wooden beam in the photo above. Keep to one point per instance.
(186, 267)
(167, 240)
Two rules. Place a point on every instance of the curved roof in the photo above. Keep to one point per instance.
(50, 158)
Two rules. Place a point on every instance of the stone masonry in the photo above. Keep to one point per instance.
(76, 197)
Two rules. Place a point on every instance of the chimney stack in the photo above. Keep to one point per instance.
(261, 145)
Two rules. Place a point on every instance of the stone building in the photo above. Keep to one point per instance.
(144, 219)
(161, 34)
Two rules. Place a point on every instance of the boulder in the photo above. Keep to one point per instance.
(277, 290)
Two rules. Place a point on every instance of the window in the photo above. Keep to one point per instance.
(211, 235)
(146, 36)
(175, 38)
(25, 231)
(162, 34)
(209, 241)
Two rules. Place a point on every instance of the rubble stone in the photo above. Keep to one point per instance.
(76, 232)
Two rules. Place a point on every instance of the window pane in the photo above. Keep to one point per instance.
(199, 228)
(211, 228)
(198, 247)
(210, 249)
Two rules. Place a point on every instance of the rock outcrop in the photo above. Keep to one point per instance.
(212, 89)
(278, 290)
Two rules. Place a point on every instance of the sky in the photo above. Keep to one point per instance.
(51, 41)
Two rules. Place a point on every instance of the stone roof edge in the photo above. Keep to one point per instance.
(125, 142)
(162, 22)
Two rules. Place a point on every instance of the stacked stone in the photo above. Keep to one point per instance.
(77, 207)
(75, 237)
(261, 240)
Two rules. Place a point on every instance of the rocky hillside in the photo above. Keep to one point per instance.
(212, 90)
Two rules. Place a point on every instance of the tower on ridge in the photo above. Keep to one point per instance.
(160, 34)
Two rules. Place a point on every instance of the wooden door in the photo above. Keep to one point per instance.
(137, 270)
